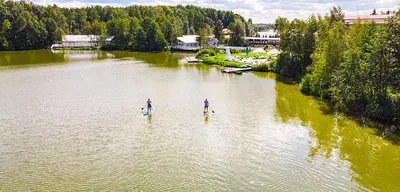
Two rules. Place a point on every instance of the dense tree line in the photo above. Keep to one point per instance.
(25, 25)
(263, 27)
(356, 66)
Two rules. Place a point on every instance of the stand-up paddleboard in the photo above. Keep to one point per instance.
(145, 112)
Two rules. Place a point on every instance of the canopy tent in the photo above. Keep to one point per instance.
(274, 52)
(259, 50)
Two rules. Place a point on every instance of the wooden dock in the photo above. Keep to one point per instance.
(234, 69)
(193, 60)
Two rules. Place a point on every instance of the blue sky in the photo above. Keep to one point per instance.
(261, 11)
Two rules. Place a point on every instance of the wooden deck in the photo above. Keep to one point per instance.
(233, 69)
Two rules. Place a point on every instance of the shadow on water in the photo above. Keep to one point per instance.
(162, 59)
(375, 162)
(54, 57)
(31, 58)
(85, 55)
(386, 131)
(264, 75)
(287, 80)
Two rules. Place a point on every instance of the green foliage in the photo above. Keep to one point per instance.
(357, 67)
(217, 60)
(212, 51)
(297, 44)
(155, 38)
(24, 25)
(264, 67)
(219, 26)
(263, 27)
(238, 32)
(120, 29)
(203, 36)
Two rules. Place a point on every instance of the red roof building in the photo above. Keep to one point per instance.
(379, 19)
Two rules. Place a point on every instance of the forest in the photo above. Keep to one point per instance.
(357, 67)
(26, 26)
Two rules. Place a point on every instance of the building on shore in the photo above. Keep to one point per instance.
(268, 34)
(262, 41)
(269, 37)
(379, 19)
(76, 41)
(189, 43)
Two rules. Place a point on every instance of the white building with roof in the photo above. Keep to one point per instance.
(71, 41)
(268, 34)
(189, 43)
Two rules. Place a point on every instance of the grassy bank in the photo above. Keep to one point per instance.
(214, 56)
(220, 60)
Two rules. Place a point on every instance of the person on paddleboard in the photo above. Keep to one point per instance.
(206, 106)
(148, 106)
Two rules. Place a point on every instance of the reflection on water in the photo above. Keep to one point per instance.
(206, 119)
(84, 55)
(165, 60)
(25, 58)
(375, 163)
(78, 127)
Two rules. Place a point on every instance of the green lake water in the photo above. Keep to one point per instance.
(71, 121)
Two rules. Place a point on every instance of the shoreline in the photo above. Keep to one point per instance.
(382, 125)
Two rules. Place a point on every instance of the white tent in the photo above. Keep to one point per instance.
(274, 52)
(228, 54)
(259, 50)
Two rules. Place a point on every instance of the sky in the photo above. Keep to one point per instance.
(260, 11)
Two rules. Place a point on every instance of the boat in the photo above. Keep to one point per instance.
(234, 70)
(193, 60)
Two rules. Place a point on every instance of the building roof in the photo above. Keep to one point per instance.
(188, 38)
(83, 38)
(376, 18)
(110, 38)
(268, 33)
(262, 38)
(191, 38)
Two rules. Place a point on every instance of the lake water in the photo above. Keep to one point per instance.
(72, 121)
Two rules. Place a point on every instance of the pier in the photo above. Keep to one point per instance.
(193, 60)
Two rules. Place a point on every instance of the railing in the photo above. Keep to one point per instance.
(69, 45)
(185, 48)
(232, 47)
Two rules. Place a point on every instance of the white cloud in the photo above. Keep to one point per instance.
(261, 11)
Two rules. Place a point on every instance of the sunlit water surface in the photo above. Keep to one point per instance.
(71, 121)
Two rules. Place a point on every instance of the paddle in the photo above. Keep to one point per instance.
(143, 107)
(211, 109)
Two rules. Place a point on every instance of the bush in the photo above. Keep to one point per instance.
(288, 66)
(305, 85)
(207, 52)
(263, 67)
(214, 60)
(309, 86)
(272, 65)
(234, 51)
